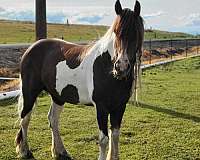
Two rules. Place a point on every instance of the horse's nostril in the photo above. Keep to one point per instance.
(117, 68)
(128, 67)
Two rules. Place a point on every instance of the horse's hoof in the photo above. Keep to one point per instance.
(28, 155)
(63, 156)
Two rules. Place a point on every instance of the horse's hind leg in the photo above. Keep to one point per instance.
(58, 149)
(28, 98)
(22, 147)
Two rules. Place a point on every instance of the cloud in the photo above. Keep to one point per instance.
(153, 15)
(193, 20)
(2, 9)
(189, 23)
(83, 17)
(56, 17)
(27, 15)
(89, 18)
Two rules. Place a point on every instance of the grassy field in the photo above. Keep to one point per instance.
(23, 32)
(165, 126)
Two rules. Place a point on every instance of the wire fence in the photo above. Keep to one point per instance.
(158, 50)
(154, 51)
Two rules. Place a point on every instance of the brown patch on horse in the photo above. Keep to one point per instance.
(75, 55)
(19, 137)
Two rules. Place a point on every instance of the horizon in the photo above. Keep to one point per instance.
(57, 23)
(157, 15)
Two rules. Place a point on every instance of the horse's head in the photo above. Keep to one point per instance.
(129, 31)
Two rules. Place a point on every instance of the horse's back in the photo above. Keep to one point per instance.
(46, 47)
(39, 64)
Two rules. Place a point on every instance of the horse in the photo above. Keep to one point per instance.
(101, 74)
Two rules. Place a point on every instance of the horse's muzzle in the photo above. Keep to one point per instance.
(121, 74)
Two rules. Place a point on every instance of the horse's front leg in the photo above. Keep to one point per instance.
(113, 153)
(115, 120)
(57, 149)
(102, 118)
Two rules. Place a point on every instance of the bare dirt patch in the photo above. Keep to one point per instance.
(9, 85)
(9, 67)
(9, 61)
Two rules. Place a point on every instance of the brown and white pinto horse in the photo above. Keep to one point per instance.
(101, 74)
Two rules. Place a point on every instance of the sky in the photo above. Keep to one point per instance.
(169, 15)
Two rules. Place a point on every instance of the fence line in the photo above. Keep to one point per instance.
(170, 48)
(7, 78)
(179, 43)
(16, 93)
(167, 49)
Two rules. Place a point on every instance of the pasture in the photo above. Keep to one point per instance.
(24, 32)
(165, 125)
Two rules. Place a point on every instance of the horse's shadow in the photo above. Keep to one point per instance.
(169, 112)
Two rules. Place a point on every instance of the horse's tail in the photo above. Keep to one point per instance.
(18, 138)
(20, 108)
(20, 100)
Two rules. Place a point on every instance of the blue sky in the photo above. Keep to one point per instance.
(171, 15)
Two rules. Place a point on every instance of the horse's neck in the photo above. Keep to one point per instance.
(106, 44)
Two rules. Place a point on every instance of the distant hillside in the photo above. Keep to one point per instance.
(157, 34)
(23, 32)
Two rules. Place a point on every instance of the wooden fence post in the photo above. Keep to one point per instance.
(171, 48)
(40, 20)
(150, 51)
(186, 47)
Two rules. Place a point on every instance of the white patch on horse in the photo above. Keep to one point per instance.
(76, 77)
(103, 142)
(53, 117)
(113, 152)
(82, 76)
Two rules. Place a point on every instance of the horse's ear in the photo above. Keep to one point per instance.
(118, 7)
(137, 9)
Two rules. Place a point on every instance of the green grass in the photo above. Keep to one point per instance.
(165, 126)
(24, 32)
(157, 34)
